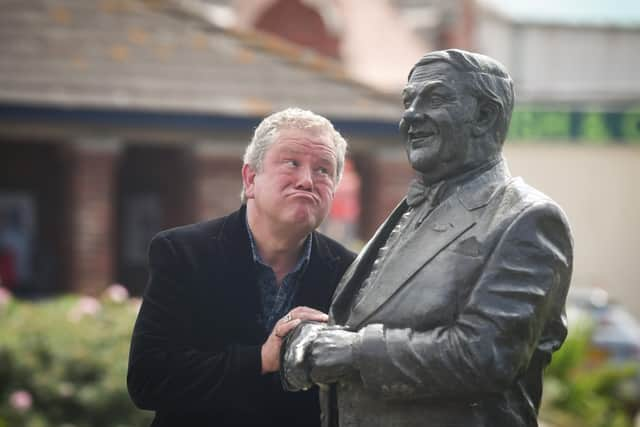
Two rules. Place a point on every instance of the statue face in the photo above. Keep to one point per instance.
(436, 126)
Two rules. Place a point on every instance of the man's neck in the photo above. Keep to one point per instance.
(279, 249)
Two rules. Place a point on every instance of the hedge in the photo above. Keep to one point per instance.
(63, 361)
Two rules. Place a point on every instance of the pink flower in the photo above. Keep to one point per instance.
(21, 400)
(5, 297)
(117, 293)
(86, 306)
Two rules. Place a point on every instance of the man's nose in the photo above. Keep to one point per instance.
(304, 179)
(411, 115)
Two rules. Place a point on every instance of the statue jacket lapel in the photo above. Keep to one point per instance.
(446, 223)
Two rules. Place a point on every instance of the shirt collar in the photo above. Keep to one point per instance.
(302, 261)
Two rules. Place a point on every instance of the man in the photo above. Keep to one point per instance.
(223, 294)
(453, 309)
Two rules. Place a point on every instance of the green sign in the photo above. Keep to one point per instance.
(594, 127)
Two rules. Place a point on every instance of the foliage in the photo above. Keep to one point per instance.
(579, 393)
(63, 362)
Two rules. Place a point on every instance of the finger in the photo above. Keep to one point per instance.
(277, 332)
(304, 313)
(303, 310)
(336, 328)
(285, 328)
(309, 314)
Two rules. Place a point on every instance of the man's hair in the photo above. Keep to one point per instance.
(291, 118)
(490, 80)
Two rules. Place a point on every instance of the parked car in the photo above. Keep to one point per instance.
(615, 337)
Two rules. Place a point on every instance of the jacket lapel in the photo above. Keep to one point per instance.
(359, 268)
(314, 290)
(448, 221)
(444, 225)
(236, 270)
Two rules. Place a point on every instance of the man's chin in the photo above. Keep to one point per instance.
(424, 159)
(302, 219)
(422, 164)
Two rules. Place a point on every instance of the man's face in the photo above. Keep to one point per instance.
(295, 188)
(436, 124)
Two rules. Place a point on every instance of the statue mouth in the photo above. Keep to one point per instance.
(420, 139)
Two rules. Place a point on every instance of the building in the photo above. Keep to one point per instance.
(575, 132)
(122, 117)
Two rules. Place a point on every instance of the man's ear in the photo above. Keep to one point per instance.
(248, 178)
(486, 116)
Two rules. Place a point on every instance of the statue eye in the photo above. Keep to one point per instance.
(437, 100)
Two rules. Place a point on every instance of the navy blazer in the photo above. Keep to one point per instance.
(195, 350)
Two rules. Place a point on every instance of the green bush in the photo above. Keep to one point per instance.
(579, 393)
(63, 362)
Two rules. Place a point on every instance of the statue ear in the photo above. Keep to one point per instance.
(486, 116)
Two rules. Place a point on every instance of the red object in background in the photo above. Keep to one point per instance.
(299, 23)
(8, 269)
(346, 201)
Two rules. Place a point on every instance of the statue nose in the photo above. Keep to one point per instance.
(412, 115)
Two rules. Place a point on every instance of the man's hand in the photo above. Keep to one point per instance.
(271, 348)
(333, 355)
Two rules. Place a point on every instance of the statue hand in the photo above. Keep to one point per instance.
(294, 363)
(333, 355)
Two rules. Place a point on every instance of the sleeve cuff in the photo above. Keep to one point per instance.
(247, 361)
(365, 355)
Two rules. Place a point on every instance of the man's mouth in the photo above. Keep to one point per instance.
(304, 195)
(419, 139)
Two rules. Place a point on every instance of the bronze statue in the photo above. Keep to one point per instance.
(452, 310)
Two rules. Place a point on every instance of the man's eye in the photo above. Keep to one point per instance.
(437, 100)
(291, 162)
(323, 170)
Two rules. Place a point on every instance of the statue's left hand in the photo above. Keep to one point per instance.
(333, 355)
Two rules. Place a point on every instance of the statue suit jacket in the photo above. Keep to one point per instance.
(458, 330)
(195, 350)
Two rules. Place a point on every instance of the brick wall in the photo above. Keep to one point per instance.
(91, 214)
(217, 180)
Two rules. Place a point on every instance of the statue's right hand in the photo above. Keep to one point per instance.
(295, 366)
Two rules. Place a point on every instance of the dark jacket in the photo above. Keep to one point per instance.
(195, 351)
(457, 331)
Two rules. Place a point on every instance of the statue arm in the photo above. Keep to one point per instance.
(523, 283)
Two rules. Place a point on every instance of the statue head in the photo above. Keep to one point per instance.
(457, 111)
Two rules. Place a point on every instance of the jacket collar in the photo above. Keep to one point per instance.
(478, 192)
(232, 240)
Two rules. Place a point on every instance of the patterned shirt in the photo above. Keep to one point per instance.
(276, 301)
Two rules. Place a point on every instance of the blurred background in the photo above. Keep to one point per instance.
(119, 118)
